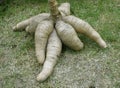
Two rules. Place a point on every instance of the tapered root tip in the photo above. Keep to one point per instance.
(41, 61)
(41, 78)
(82, 46)
(103, 44)
(14, 28)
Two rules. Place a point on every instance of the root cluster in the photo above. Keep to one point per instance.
(53, 29)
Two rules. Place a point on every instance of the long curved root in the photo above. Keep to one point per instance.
(53, 51)
(83, 27)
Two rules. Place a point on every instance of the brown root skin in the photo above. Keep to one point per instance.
(68, 35)
(53, 51)
(83, 27)
(42, 33)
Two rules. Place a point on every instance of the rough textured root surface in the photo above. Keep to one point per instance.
(68, 35)
(30, 22)
(64, 9)
(53, 51)
(54, 9)
(21, 25)
(42, 33)
(83, 27)
(40, 16)
(35, 21)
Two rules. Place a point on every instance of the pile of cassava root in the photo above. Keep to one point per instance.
(51, 30)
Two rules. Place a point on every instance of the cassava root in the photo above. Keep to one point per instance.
(51, 29)
(68, 35)
(83, 27)
(42, 33)
(53, 51)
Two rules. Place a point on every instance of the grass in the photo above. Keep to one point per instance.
(90, 67)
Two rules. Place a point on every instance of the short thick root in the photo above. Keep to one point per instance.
(68, 35)
(42, 33)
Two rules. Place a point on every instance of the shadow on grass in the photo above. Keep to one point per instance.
(5, 4)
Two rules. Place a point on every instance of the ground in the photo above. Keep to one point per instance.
(92, 67)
